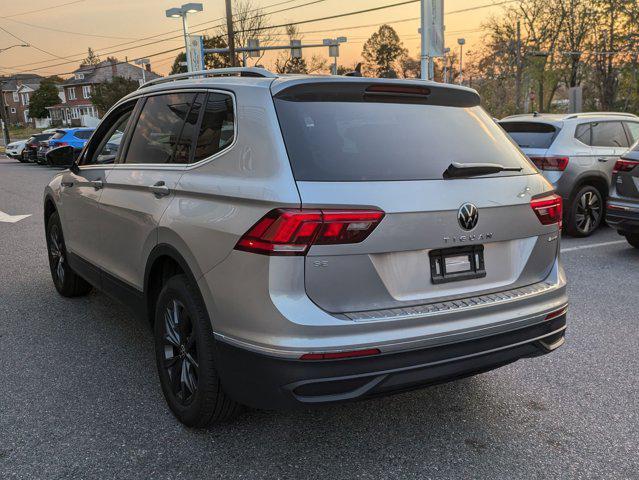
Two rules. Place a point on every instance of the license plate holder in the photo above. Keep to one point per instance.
(457, 263)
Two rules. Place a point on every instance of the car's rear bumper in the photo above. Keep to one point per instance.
(263, 381)
(623, 216)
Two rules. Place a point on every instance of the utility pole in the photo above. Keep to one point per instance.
(231, 32)
(518, 69)
(427, 21)
(3, 115)
(461, 42)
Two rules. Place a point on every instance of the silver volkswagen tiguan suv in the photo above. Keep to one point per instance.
(299, 240)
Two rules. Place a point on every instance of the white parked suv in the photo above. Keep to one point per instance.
(576, 153)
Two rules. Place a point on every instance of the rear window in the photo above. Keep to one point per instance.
(356, 141)
(531, 134)
(83, 134)
(58, 135)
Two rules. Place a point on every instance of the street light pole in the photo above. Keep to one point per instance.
(461, 42)
(182, 12)
(143, 62)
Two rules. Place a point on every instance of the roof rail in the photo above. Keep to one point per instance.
(216, 72)
(600, 114)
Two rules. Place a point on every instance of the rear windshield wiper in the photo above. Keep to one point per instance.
(461, 170)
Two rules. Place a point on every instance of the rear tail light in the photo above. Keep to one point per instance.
(292, 232)
(624, 165)
(340, 355)
(548, 209)
(551, 163)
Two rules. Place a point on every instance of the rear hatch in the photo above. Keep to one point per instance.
(377, 145)
(535, 139)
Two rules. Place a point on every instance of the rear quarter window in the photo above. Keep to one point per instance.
(531, 134)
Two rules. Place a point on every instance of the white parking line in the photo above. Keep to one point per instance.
(594, 245)
(6, 218)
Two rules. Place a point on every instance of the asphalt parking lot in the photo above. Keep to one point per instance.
(79, 396)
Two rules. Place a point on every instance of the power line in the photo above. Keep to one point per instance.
(30, 44)
(330, 17)
(51, 29)
(102, 51)
(41, 9)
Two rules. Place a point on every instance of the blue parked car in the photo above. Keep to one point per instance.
(75, 137)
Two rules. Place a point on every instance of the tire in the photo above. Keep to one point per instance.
(185, 357)
(585, 212)
(66, 281)
(633, 239)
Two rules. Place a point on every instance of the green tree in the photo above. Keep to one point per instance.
(45, 96)
(92, 58)
(382, 51)
(106, 94)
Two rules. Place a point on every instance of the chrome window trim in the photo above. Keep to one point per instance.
(189, 166)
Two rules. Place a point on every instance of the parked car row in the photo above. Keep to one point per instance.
(580, 155)
(35, 148)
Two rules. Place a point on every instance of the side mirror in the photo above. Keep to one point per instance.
(62, 156)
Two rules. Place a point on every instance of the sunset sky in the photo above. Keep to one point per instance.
(60, 36)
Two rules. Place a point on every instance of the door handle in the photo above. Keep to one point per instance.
(601, 159)
(97, 184)
(160, 189)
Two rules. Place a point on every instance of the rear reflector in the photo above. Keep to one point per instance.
(292, 232)
(557, 313)
(624, 165)
(339, 355)
(548, 209)
(620, 208)
(551, 163)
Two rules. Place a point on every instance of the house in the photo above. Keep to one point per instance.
(16, 92)
(76, 107)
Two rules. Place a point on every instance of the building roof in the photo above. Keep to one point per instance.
(13, 82)
(105, 71)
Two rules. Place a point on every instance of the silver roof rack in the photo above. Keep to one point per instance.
(600, 114)
(216, 72)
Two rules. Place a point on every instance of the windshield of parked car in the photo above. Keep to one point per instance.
(376, 141)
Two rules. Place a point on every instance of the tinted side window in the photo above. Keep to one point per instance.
(157, 132)
(633, 129)
(217, 128)
(83, 134)
(184, 146)
(105, 146)
(608, 134)
(582, 133)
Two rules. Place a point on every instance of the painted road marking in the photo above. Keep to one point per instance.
(594, 245)
(6, 218)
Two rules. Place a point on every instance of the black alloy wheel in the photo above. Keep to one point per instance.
(180, 352)
(586, 212)
(185, 356)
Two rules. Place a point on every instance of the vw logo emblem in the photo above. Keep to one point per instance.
(468, 216)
